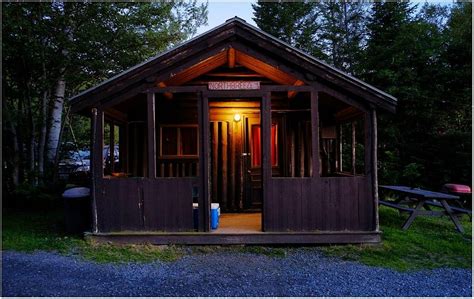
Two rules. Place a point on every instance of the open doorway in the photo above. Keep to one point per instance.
(235, 164)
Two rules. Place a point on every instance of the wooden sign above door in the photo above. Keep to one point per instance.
(233, 85)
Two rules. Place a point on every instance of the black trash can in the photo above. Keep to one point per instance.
(77, 210)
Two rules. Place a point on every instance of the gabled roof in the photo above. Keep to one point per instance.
(232, 30)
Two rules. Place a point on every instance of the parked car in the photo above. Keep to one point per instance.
(72, 162)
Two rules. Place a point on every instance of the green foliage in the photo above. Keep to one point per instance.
(327, 30)
(429, 243)
(405, 56)
(421, 55)
(293, 22)
(411, 174)
(84, 42)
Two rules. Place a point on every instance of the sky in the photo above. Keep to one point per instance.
(220, 11)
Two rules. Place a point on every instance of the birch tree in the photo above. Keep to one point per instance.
(53, 50)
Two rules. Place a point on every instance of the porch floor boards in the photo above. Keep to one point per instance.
(238, 228)
(239, 223)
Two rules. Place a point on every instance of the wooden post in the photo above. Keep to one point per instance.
(339, 148)
(315, 133)
(232, 133)
(353, 147)
(266, 126)
(368, 144)
(97, 168)
(292, 150)
(301, 158)
(215, 159)
(284, 145)
(151, 136)
(204, 206)
(224, 132)
(127, 149)
(112, 146)
(375, 184)
(121, 144)
(135, 150)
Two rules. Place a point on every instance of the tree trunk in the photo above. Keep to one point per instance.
(43, 133)
(56, 120)
(32, 176)
(16, 157)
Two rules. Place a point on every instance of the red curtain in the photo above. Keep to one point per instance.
(257, 152)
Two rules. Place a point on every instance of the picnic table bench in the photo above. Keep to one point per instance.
(420, 198)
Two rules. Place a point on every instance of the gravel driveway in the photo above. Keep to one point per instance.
(301, 273)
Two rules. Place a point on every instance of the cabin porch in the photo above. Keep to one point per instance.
(232, 125)
(156, 177)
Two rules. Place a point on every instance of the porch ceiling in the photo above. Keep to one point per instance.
(231, 58)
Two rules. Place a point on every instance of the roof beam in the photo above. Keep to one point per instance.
(348, 113)
(235, 75)
(264, 69)
(167, 95)
(198, 69)
(231, 58)
(292, 94)
(116, 115)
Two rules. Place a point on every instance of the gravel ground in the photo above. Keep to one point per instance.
(301, 273)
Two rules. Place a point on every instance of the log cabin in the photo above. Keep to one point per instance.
(284, 143)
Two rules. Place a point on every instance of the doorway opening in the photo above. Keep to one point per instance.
(235, 174)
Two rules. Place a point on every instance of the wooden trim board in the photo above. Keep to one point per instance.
(197, 238)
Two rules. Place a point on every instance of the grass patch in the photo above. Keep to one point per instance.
(278, 252)
(429, 243)
(30, 231)
(108, 253)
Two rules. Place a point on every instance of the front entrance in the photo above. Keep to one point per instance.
(235, 171)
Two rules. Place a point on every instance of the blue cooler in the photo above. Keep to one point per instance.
(215, 212)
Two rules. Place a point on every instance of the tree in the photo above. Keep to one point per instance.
(421, 55)
(330, 31)
(406, 56)
(454, 126)
(296, 23)
(341, 34)
(53, 50)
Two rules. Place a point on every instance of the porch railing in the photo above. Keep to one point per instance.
(177, 167)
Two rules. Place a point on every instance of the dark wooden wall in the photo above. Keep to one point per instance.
(142, 204)
(324, 204)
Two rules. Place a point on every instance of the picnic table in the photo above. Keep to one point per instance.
(422, 200)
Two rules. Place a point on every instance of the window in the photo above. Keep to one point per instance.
(353, 147)
(178, 141)
(294, 134)
(112, 149)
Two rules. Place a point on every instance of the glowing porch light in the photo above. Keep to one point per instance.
(237, 117)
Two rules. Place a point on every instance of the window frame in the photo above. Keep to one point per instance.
(179, 154)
